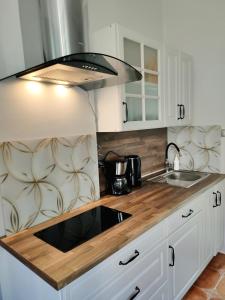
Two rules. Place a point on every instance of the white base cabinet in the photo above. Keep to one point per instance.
(19, 283)
(218, 204)
(184, 257)
(161, 294)
(207, 248)
(143, 275)
(168, 259)
(142, 280)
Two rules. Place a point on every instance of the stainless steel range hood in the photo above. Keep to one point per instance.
(87, 70)
(55, 27)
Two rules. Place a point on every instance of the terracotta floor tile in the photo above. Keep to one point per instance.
(218, 262)
(221, 288)
(208, 279)
(195, 294)
(213, 295)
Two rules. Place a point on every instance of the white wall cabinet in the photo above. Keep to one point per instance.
(137, 105)
(177, 87)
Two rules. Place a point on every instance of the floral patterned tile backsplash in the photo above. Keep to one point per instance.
(42, 179)
(200, 147)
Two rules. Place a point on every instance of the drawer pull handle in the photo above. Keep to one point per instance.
(188, 215)
(216, 204)
(173, 256)
(136, 253)
(219, 198)
(137, 291)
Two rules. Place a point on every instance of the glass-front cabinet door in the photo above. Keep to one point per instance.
(143, 98)
(137, 105)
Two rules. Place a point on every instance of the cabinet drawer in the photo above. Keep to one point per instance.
(184, 214)
(144, 278)
(121, 262)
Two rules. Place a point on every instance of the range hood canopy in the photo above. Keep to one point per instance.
(52, 39)
(86, 70)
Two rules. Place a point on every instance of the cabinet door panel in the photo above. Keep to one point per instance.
(171, 86)
(161, 294)
(219, 218)
(207, 241)
(186, 244)
(222, 215)
(186, 86)
(145, 278)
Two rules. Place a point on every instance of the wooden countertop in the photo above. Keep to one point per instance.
(148, 205)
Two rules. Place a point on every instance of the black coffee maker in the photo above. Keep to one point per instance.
(115, 173)
(133, 172)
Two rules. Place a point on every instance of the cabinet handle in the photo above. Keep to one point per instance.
(136, 292)
(219, 198)
(189, 213)
(173, 256)
(183, 111)
(215, 205)
(126, 109)
(179, 118)
(136, 254)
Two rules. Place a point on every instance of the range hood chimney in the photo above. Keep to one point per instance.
(52, 35)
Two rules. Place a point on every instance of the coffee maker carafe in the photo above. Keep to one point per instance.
(115, 173)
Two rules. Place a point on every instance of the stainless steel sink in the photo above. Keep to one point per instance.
(180, 178)
(183, 176)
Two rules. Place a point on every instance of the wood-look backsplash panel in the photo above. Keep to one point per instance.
(149, 144)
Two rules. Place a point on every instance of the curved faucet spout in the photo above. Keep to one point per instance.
(166, 154)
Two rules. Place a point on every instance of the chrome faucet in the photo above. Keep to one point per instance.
(167, 163)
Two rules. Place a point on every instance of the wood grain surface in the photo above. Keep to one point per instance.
(148, 205)
(149, 144)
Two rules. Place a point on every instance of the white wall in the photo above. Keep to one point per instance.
(30, 110)
(11, 48)
(143, 16)
(198, 28)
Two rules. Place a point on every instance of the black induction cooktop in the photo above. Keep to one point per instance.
(81, 228)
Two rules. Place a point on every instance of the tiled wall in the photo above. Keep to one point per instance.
(41, 179)
(200, 147)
